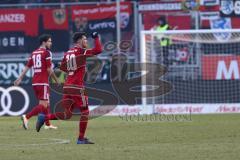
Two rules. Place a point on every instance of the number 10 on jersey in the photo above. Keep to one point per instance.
(71, 62)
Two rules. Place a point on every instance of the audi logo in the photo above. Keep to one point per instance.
(6, 101)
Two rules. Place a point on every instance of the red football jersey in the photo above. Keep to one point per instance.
(74, 63)
(40, 60)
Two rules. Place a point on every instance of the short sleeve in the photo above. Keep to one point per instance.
(29, 62)
(48, 58)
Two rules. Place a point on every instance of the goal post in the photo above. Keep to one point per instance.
(195, 36)
(202, 66)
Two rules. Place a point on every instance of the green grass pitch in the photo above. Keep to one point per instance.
(206, 137)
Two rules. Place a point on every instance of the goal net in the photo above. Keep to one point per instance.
(202, 67)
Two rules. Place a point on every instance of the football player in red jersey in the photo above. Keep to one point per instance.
(41, 62)
(74, 96)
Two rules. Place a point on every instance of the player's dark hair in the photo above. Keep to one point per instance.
(78, 35)
(44, 38)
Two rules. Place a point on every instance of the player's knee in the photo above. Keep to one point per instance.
(44, 103)
(85, 111)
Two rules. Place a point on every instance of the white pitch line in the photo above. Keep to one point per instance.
(55, 141)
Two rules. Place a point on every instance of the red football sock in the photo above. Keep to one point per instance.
(67, 114)
(65, 105)
(35, 111)
(83, 122)
(51, 117)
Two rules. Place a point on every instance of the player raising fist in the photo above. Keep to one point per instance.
(74, 96)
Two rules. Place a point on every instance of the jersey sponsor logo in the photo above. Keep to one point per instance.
(37, 52)
(6, 101)
(37, 70)
(71, 51)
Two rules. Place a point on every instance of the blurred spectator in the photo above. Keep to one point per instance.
(105, 75)
(80, 24)
(161, 26)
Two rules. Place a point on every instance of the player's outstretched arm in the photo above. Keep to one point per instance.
(19, 80)
(53, 75)
(98, 46)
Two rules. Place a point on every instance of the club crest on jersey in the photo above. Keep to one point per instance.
(59, 16)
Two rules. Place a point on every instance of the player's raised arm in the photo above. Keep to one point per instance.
(98, 46)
